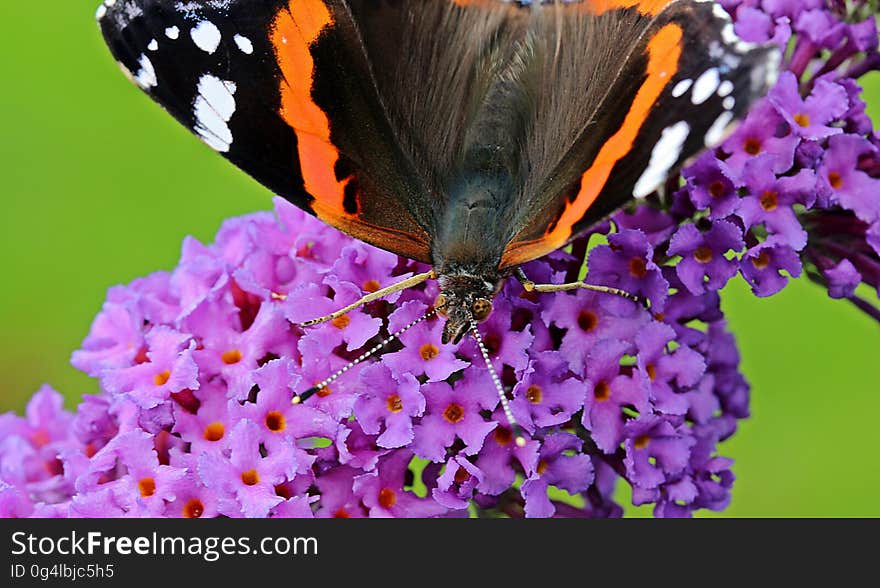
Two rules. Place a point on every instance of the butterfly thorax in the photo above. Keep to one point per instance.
(467, 250)
(474, 227)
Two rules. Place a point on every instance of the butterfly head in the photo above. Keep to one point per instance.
(463, 300)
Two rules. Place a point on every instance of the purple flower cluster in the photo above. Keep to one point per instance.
(197, 367)
(800, 178)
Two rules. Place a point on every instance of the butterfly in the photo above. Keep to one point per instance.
(472, 135)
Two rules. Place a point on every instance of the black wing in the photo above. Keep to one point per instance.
(284, 91)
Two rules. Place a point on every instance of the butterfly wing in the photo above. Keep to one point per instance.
(284, 91)
(361, 111)
(680, 78)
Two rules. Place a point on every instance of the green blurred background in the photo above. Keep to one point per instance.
(100, 186)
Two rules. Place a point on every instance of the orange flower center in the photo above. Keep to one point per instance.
(341, 514)
(502, 436)
(454, 413)
(542, 467)
(703, 254)
(324, 391)
(836, 180)
(641, 441)
(492, 343)
(803, 120)
(652, 371)
(461, 475)
(371, 286)
(762, 261)
(602, 391)
(534, 394)
(429, 351)
(387, 497)
(752, 146)
(769, 200)
(231, 357)
(147, 487)
(716, 189)
(161, 378)
(341, 322)
(587, 320)
(394, 403)
(275, 421)
(193, 508)
(638, 267)
(214, 431)
(250, 477)
(141, 356)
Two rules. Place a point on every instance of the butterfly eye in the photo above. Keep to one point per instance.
(440, 305)
(482, 309)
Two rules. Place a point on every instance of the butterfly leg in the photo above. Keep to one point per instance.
(530, 286)
(386, 291)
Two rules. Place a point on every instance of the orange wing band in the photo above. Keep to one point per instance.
(664, 52)
(294, 30)
(646, 7)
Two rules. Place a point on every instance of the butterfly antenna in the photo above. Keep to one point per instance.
(378, 294)
(362, 357)
(517, 430)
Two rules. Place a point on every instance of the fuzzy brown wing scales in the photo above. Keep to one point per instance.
(687, 78)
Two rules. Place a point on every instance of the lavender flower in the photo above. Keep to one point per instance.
(454, 414)
(389, 404)
(196, 368)
(704, 264)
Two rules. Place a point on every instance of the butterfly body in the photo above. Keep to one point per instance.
(477, 221)
(474, 135)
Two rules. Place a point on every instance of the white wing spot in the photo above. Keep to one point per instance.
(206, 36)
(728, 35)
(172, 33)
(244, 44)
(719, 12)
(718, 130)
(774, 61)
(146, 75)
(706, 85)
(729, 103)
(666, 152)
(213, 108)
(682, 87)
(725, 88)
(102, 9)
(154, 45)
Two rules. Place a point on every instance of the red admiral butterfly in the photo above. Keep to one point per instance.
(473, 135)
